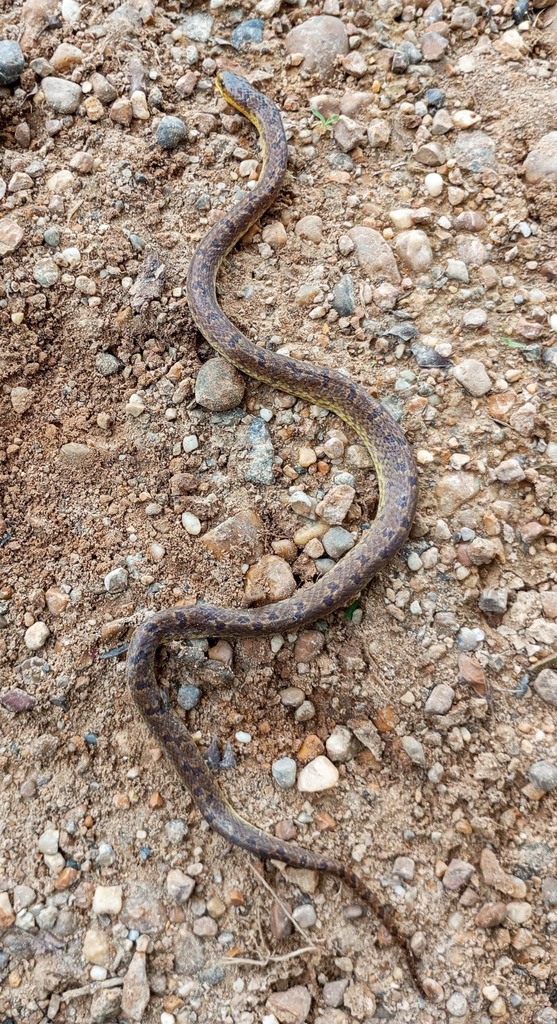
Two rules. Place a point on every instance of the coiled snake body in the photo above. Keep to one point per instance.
(396, 474)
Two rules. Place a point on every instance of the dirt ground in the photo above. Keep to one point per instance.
(445, 810)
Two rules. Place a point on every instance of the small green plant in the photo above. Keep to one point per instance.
(512, 344)
(325, 122)
(349, 612)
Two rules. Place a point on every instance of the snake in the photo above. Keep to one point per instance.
(394, 467)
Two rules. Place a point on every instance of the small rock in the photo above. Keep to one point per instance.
(293, 1005)
(179, 886)
(270, 579)
(472, 375)
(333, 992)
(348, 134)
(414, 749)
(440, 700)
(344, 299)
(545, 685)
(318, 776)
(48, 842)
(11, 236)
(136, 992)
(454, 490)
(189, 696)
(510, 471)
(17, 700)
(107, 899)
(457, 1004)
(308, 646)
(61, 95)
(46, 272)
(116, 580)
(198, 27)
(342, 745)
(280, 923)
(334, 507)
(491, 915)
(96, 947)
(337, 541)
(171, 132)
(494, 600)
(543, 775)
(361, 1002)
(404, 867)
(239, 533)
(374, 255)
(284, 772)
(414, 250)
(21, 399)
(219, 386)
(12, 61)
(431, 154)
(311, 228)
(320, 40)
(246, 33)
(457, 875)
(191, 524)
(36, 636)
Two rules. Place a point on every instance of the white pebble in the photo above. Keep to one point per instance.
(191, 524)
(107, 899)
(190, 443)
(317, 776)
(98, 973)
(48, 841)
(433, 183)
(243, 737)
(36, 636)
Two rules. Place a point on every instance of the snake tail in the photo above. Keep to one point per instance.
(397, 483)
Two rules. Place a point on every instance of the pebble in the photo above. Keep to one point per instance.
(510, 471)
(434, 183)
(107, 364)
(189, 696)
(21, 399)
(269, 579)
(11, 236)
(291, 1006)
(348, 134)
(343, 296)
(292, 697)
(191, 524)
(12, 61)
(470, 639)
(46, 272)
(457, 1004)
(198, 27)
(457, 875)
(440, 700)
(259, 459)
(136, 992)
(405, 868)
(284, 772)
(320, 40)
(455, 489)
(310, 228)
(171, 132)
(107, 899)
(334, 507)
(62, 96)
(96, 947)
(308, 647)
(48, 841)
(491, 915)
(374, 255)
(179, 886)
(472, 375)
(238, 533)
(337, 541)
(414, 749)
(116, 580)
(246, 33)
(414, 250)
(318, 776)
(342, 745)
(333, 992)
(36, 636)
(543, 775)
(545, 685)
(494, 600)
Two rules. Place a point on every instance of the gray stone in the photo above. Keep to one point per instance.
(189, 696)
(457, 875)
(320, 39)
(171, 132)
(12, 61)
(342, 745)
(219, 385)
(404, 867)
(414, 749)
(472, 375)
(543, 775)
(440, 700)
(343, 296)
(469, 639)
(337, 541)
(247, 32)
(494, 600)
(198, 27)
(60, 95)
(374, 255)
(284, 772)
(258, 465)
(107, 364)
(545, 685)
(116, 580)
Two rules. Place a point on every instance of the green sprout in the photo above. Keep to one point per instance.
(512, 344)
(325, 122)
(349, 612)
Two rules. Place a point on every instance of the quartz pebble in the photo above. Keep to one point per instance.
(317, 776)
(292, 1005)
(61, 95)
(319, 40)
(36, 636)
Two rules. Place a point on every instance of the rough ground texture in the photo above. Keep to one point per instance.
(412, 246)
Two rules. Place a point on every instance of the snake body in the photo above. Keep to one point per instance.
(397, 482)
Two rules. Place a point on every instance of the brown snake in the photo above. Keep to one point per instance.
(396, 474)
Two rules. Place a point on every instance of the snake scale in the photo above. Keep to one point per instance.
(396, 473)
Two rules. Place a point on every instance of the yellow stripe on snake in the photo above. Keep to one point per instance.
(396, 473)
